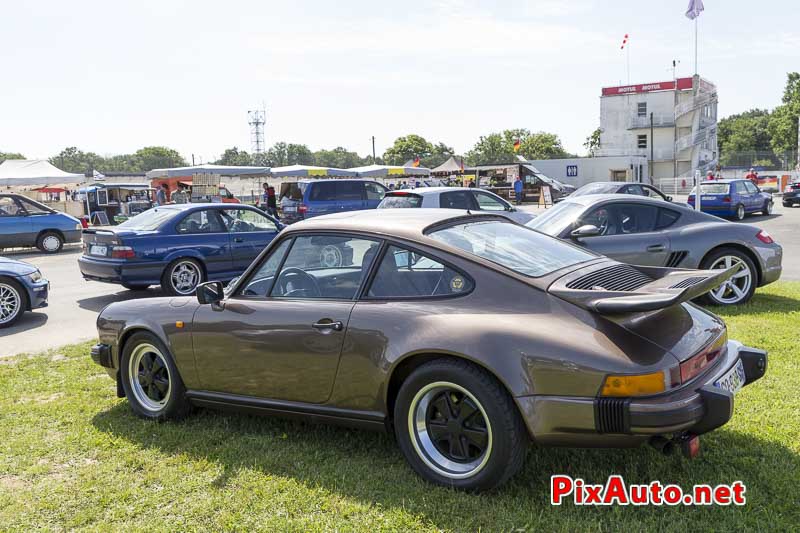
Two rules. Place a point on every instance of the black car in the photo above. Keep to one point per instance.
(619, 187)
(791, 195)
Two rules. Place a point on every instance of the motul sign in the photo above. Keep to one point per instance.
(683, 83)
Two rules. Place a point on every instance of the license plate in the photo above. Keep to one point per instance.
(290, 210)
(708, 197)
(98, 250)
(733, 380)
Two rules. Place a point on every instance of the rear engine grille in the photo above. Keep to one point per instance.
(688, 282)
(615, 278)
(611, 415)
(675, 258)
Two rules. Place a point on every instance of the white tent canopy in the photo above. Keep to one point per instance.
(382, 171)
(24, 172)
(224, 170)
(305, 171)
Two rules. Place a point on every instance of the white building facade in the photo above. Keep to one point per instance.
(673, 124)
(579, 171)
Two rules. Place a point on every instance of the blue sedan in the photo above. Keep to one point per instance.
(177, 246)
(22, 288)
(24, 222)
(732, 199)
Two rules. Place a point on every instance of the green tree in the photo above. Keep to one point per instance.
(592, 143)
(71, 159)
(406, 148)
(235, 157)
(283, 154)
(338, 158)
(498, 148)
(152, 157)
(743, 136)
(783, 122)
(10, 155)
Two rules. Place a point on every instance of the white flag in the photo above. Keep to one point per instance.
(694, 9)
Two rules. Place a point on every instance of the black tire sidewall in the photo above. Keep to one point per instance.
(708, 261)
(177, 406)
(487, 391)
(43, 236)
(166, 277)
(740, 208)
(23, 294)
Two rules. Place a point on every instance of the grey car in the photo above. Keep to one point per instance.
(465, 198)
(650, 232)
(448, 329)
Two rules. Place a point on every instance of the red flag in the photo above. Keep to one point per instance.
(624, 42)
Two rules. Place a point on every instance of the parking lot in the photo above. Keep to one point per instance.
(74, 303)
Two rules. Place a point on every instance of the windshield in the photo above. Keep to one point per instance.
(714, 188)
(391, 201)
(554, 221)
(149, 220)
(596, 188)
(522, 250)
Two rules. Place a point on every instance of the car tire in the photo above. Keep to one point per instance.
(50, 242)
(745, 284)
(739, 213)
(182, 276)
(768, 208)
(489, 457)
(787, 204)
(150, 379)
(13, 302)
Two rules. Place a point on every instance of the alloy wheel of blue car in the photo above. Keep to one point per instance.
(10, 303)
(184, 276)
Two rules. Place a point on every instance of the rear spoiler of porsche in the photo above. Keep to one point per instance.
(612, 288)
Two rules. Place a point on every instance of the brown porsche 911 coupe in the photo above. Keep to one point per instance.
(467, 335)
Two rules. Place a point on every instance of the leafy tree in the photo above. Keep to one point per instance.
(10, 155)
(742, 136)
(152, 157)
(338, 158)
(592, 143)
(71, 159)
(412, 146)
(498, 148)
(282, 154)
(783, 122)
(234, 157)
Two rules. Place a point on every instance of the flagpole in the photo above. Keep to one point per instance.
(695, 45)
(628, 52)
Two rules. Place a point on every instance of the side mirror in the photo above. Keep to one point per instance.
(587, 230)
(669, 198)
(210, 292)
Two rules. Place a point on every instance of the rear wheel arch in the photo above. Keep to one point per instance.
(739, 248)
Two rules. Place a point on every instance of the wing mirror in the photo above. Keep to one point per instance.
(587, 230)
(210, 292)
(669, 198)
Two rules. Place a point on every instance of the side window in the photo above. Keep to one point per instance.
(456, 200)
(203, 221)
(33, 208)
(374, 191)
(260, 282)
(10, 208)
(245, 220)
(487, 202)
(740, 187)
(750, 187)
(325, 266)
(635, 189)
(322, 191)
(349, 190)
(666, 218)
(406, 274)
(623, 219)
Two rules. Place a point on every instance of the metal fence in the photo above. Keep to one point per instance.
(759, 160)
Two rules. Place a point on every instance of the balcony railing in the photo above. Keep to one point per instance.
(694, 103)
(659, 121)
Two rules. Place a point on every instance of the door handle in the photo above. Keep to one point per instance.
(238, 239)
(322, 326)
(656, 248)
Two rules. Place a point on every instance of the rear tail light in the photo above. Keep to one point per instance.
(764, 237)
(122, 252)
(700, 361)
(302, 209)
(726, 199)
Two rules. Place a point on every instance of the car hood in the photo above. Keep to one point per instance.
(15, 268)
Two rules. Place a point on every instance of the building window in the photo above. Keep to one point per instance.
(641, 141)
(641, 109)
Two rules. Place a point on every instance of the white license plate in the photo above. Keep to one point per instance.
(708, 197)
(733, 380)
(290, 210)
(98, 250)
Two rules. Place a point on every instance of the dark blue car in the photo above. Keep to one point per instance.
(177, 246)
(311, 198)
(732, 199)
(24, 222)
(22, 288)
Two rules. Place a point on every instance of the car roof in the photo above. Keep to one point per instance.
(404, 223)
(429, 191)
(591, 199)
(726, 181)
(307, 180)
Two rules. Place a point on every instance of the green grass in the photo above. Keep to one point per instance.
(73, 456)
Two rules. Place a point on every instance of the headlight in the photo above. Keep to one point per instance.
(36, 276)
(78, 226)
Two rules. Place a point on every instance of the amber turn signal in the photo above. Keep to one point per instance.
(640, 385)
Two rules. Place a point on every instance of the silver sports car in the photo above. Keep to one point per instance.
(650, 232)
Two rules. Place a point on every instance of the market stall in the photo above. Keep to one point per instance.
(308, 171)
(115, 203)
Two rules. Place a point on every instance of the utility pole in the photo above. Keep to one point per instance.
(373, 150)
(192, 159)
(651, 147)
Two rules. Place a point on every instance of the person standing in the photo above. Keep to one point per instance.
(752, 176)
(161, 194)
(180, 196)
(272, 202)
(518, 190)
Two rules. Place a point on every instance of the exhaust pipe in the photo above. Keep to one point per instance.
(688, 443)
(662, 444)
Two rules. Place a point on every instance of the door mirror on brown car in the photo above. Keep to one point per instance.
(210, 292)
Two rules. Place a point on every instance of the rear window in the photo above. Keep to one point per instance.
(597, 188)
(150, 219)
(293, 191)
(714, 188)
(391, 201)
(515, 247)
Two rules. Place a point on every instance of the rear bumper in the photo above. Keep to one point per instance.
(110, 271)
(593, 422)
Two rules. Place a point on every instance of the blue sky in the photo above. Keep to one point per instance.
(115, 76)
